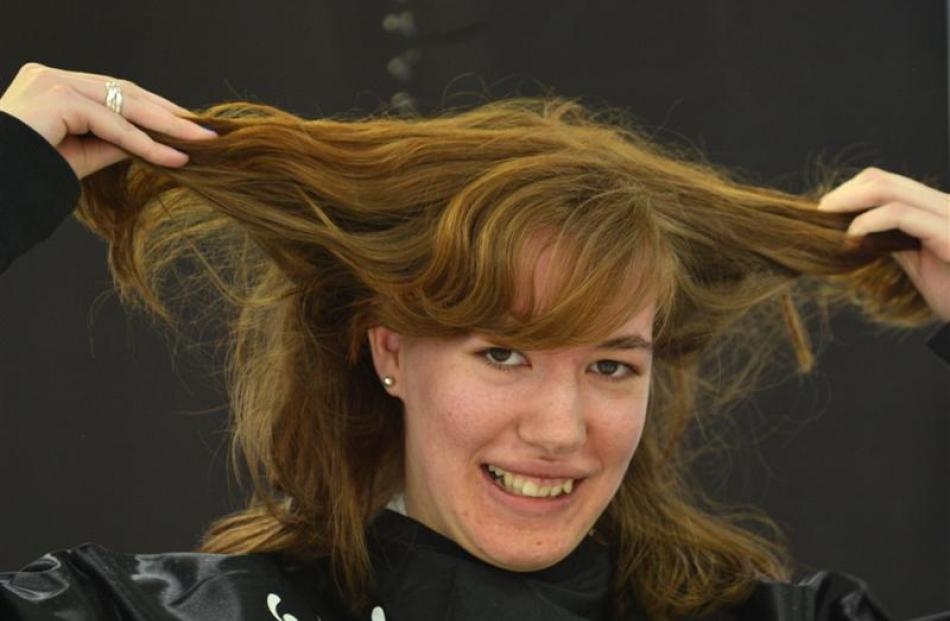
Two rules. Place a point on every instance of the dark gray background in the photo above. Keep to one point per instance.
(103, 429)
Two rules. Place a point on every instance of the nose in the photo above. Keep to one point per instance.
(553, 419)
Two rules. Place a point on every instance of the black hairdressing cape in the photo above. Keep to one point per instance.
(420, 575)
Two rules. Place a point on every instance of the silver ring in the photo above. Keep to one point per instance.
(114, 96)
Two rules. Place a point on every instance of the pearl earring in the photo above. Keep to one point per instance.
(388, 381)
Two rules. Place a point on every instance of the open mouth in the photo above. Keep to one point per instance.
(530, 487)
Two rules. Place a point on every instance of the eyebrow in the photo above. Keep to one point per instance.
(632, 341)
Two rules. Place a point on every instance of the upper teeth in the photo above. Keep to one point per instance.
(529, 486)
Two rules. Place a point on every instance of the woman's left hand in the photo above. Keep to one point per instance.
(893, 201)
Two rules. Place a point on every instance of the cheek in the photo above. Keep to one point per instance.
(618, 435)
(452, 410)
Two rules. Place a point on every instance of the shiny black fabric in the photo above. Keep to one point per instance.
(420, 575)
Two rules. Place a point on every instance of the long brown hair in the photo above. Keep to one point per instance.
(305, 233)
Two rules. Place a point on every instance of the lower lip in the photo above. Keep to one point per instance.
(528, 504)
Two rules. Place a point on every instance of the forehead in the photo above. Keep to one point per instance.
(544, 267)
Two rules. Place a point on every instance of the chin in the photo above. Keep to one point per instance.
(527, 553)
(519, 533)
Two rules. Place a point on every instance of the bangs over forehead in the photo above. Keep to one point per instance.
(543, 252)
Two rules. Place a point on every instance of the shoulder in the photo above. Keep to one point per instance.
(90, 581)
(829, 594)
(818, 596)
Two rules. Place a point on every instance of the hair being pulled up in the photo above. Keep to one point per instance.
(306, 233)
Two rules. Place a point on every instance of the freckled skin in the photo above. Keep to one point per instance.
(552, 406)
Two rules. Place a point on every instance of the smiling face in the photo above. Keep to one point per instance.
(489, 429)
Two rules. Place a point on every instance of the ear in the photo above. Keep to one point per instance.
(386, 348)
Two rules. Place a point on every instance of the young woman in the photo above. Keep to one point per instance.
(464, 351)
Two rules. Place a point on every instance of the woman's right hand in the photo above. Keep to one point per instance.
(63, 105)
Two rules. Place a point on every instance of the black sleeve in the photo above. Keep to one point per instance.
(939, 342)
(38, 188)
